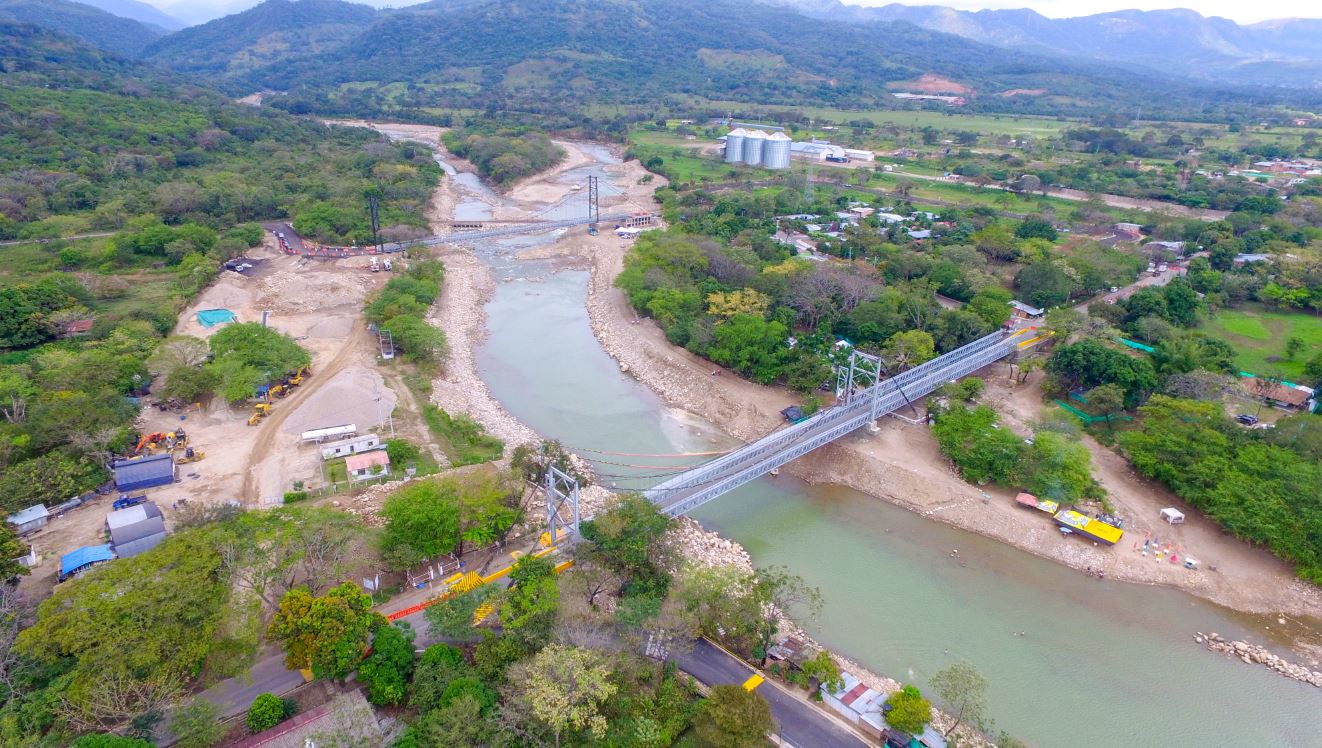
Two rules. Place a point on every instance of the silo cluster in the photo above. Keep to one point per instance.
(734, 145)
(776, 151)
(757, 148)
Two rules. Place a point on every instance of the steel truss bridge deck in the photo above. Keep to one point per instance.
(705, 482)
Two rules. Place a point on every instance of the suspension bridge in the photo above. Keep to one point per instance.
(865, 394)
(568, 213)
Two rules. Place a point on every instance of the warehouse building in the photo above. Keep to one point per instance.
(144, 472)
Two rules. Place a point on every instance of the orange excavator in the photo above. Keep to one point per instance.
(167, 440)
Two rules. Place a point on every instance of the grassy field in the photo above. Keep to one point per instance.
(1259, 337)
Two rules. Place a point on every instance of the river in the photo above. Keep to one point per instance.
(1099, 663)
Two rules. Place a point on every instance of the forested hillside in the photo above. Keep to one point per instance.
(96, 27)
(262, 36)
(555, 56)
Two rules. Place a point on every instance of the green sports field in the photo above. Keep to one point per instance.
(1258, 335)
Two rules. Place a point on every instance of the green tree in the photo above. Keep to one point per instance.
(1046, 283)
(13, 549)
(751, 346)
(485, 509)
(1036, 228)
(1293, 345)
(565, 688)
(964, 691)
(731, 717)
(439, 664)
(417, 338)
(1055, 467)
(459, 724)
(197, 724)
(1106, 400)
(267, 711)
(822, 669)
(422, 521)
(983, 452)
(529, 608)
(909, 710)
(905, 350)
(387, 670)
(1314, 368)
(328, 633)
(992, 304)
(627, 537)
(401, 451)
(175, 598)
(249, 353)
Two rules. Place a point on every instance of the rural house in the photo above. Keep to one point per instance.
(367, 465)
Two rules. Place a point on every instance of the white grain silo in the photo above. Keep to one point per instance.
(776, 151)
(753, 142)
(734, 145)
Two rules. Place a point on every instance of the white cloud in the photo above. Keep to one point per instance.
(1233, 9)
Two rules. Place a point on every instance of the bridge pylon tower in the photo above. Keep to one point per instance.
(594, 205)
(561, 489)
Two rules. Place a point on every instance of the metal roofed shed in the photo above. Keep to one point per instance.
(331, 432)
(29, 520)
(1172, 516)
(1027, 310)
(136, 530)
(82, 559)
(144, 472)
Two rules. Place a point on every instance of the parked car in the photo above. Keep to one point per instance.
(1246, 419)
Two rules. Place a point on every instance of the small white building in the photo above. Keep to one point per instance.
(367, 465)
(364, 443)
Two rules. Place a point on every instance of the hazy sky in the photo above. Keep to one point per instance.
(1236, 10)
(195, 10)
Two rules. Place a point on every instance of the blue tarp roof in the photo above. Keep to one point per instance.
(157, 470)
(90, 554)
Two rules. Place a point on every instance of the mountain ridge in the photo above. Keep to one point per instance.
(94, 26)
(1176, 41)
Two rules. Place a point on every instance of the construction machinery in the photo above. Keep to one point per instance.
(161, 440)
(296, 377)
(260, 411)
(190, 455)
(278, 390)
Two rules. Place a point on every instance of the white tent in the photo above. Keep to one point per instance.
(1172, 515)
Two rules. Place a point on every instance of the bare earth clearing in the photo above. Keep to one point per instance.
(319, 302)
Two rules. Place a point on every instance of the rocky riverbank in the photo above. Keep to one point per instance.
(1253, 654)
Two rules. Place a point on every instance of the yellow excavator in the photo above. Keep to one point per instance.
(260, 411)
(296, 376)
(190, 455)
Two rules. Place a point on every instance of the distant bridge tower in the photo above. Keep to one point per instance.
(594, 205)
(560, 489)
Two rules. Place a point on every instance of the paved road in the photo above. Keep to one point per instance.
(269, 675)
(1144, 280)
(800, 723)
